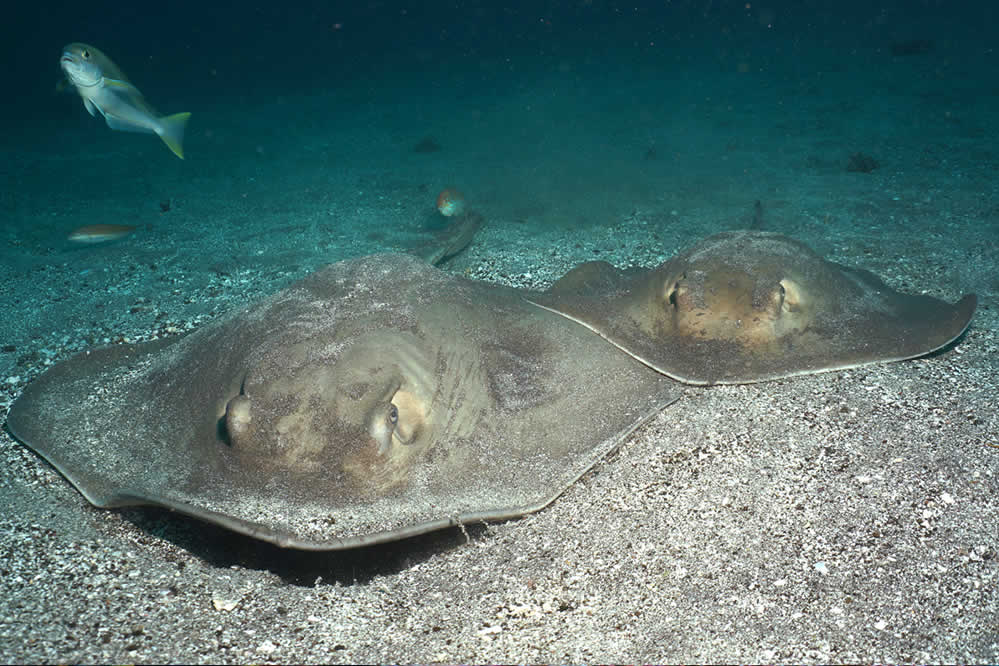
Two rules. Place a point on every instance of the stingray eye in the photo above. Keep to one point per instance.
(779, 294)
(238, 417)
(671, 291)
(383, 428)
(406, 418)
(790, 295)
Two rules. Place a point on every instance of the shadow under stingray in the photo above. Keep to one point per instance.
(223, 548)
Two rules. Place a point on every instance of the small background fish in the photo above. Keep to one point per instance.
(100, 233)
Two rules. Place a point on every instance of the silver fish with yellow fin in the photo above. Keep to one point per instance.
(105, 88)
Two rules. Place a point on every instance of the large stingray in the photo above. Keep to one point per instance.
(747, 306)
(376, 399)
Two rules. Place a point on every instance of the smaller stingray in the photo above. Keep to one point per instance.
(748, 306)
(376, 399)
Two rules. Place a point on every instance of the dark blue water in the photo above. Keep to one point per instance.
(221, 48)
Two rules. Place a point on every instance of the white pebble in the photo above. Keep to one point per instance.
(224, 604)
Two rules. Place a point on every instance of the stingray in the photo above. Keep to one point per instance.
(376, 399)
(749, 306)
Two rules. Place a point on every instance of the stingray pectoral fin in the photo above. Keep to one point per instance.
(964, 311)
(585, 280)
(46, 407)
(919, 325)
(590, 294)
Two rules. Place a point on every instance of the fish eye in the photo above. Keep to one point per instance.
(86, 54)
(393, 414)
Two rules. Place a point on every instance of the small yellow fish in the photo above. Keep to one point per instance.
(105, 88)
(100, 233)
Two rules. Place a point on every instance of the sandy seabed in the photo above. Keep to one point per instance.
(849, 516)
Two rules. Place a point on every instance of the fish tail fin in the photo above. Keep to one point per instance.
(171, 130)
